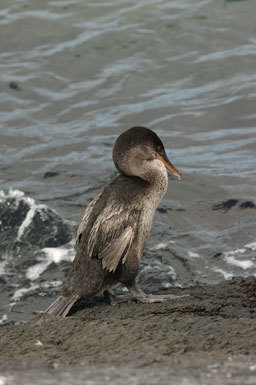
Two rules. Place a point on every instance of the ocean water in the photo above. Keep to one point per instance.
(74, 74)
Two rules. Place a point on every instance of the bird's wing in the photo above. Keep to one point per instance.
(117, 234)
(86, 217)
(112, 234)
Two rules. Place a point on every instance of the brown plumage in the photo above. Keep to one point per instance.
(116, 224)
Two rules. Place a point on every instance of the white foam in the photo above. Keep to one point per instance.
(246, 264)
(251, 246)
(49, 284)
(58, 254)
(33, 207)
(157, 265)
(193, 255)
(35, 271)
(223, 272)
(26, 222)
(52, 255)
(11, 194)
(20, 292)
(5, 380)
(171, 272)
(29, 216)
(161, 246)
(4, 318)
(234, 252)
(2, 267)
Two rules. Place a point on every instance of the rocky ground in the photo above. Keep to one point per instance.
(207, 332)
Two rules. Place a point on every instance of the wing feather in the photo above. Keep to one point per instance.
(108, 232)
(117, 250)
(86, 217)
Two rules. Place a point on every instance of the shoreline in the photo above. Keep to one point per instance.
(185, 369)
(205, 338)
(216, 320)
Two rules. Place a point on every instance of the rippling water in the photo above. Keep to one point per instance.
(74, 74)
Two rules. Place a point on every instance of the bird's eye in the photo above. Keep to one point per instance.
(158, 148)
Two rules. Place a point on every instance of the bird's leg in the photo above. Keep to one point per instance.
(114, 299)
(150, 298)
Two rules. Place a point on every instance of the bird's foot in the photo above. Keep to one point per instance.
(151, 298)
(114, 299)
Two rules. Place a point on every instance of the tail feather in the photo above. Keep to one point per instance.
(61, 306)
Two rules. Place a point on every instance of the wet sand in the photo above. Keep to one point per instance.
(212, 332)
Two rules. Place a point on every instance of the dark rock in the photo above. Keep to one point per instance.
(226, 205)
(50, 174)
(46, 228)
(162, 210)
(14, 86)
(247, 205)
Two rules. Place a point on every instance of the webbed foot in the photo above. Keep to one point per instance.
(114, 299)
(151, 298)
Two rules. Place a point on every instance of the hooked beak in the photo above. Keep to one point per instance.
(168, 165)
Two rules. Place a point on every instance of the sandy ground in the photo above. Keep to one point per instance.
(212, 332)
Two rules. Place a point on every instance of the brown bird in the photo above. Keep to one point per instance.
(115, 226)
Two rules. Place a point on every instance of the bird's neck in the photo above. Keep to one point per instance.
(155, 178)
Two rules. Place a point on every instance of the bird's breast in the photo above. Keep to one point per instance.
(144, 227)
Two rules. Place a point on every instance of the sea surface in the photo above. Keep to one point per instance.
(74, 74)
